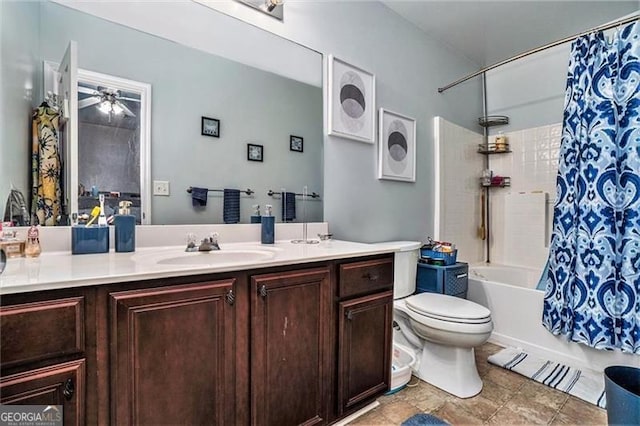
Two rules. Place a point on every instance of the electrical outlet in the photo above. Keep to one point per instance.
(161, 187)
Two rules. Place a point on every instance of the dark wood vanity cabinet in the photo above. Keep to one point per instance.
(173, 354)
(365, 315)
(281, 346)
(290, 347)
(43, 351)
(58, 384)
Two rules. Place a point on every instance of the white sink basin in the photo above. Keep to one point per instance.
(217, 257)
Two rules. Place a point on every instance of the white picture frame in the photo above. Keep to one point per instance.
(396, 146)
(351, 101)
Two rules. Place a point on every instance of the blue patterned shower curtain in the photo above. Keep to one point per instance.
(593, 283)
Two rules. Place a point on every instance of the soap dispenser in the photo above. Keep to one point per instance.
(268, 226)
(255, 217)
(125, 231)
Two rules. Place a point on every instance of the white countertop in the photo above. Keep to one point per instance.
(56, 270)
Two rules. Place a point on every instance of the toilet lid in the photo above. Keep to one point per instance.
(445, 307)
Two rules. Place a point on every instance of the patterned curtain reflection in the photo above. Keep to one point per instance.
(593, 283)
(46, 193)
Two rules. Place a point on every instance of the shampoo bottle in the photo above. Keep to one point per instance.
(268, 226)
(125, 231)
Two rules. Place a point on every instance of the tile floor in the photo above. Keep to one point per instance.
(507, 398)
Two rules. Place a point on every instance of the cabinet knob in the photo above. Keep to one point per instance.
(349, 315)
(263, 291)
(230, 297)
(68, 389)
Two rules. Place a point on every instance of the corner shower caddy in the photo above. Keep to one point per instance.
(488, 148)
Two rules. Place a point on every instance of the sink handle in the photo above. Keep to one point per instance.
(263, 291)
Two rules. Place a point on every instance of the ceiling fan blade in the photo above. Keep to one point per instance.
(87, 90)
(122, 98)
(125, 109)
(88, 102)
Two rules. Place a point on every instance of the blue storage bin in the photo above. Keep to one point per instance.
(451, 280)
(87, 240)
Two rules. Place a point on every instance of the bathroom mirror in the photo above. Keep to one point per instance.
(189, 87)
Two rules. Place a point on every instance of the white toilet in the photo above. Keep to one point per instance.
(443, 330)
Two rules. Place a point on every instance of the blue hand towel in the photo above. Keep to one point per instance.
(288, 206)
(231, 206)
(199, 196)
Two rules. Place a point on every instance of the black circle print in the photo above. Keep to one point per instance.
(352, 101)
(397, 147)
(397, 144)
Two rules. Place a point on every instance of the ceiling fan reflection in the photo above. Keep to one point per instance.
(108, 101)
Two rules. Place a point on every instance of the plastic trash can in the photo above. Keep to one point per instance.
(622, 386)
(401, 363)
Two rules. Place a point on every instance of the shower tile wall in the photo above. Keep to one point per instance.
(459, 167)
(532, 166)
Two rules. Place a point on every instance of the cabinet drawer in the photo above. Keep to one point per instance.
(365, 277)
(41, 330)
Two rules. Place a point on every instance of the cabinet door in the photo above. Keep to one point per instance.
(173, 354)
(290, 347)
(60, 384)
(364, 358)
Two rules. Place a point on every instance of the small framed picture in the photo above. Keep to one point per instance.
(254, 152)
(211, 127)
(296, 143)
(397, 147)
(351, 101)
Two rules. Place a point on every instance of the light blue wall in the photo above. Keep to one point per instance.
(409, 67)
(529, 91)
(20, 76)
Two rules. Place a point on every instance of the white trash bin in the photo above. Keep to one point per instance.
(402, 359)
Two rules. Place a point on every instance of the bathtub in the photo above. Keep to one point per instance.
(516, 309)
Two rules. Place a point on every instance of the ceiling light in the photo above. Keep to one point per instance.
(105, 107)
(117, 109)
(272, 4)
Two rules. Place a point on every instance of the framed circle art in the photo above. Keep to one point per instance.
(351, 101)
(397, 147)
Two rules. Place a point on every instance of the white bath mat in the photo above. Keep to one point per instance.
(587, 385)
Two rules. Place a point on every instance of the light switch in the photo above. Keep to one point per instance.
(161, 187)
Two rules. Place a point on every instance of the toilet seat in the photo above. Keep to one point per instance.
(446, 308)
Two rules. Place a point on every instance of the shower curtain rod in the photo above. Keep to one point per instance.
(540, 49)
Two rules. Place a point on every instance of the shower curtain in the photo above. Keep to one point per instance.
(593, 282)
(46, 192)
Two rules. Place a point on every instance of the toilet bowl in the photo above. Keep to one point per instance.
(443, 331)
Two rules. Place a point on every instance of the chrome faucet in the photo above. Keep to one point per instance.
(210, 243)
(207, 244)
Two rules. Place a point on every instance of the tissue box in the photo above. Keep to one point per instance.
(87, 240)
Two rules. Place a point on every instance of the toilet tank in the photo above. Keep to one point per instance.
(405, 264)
